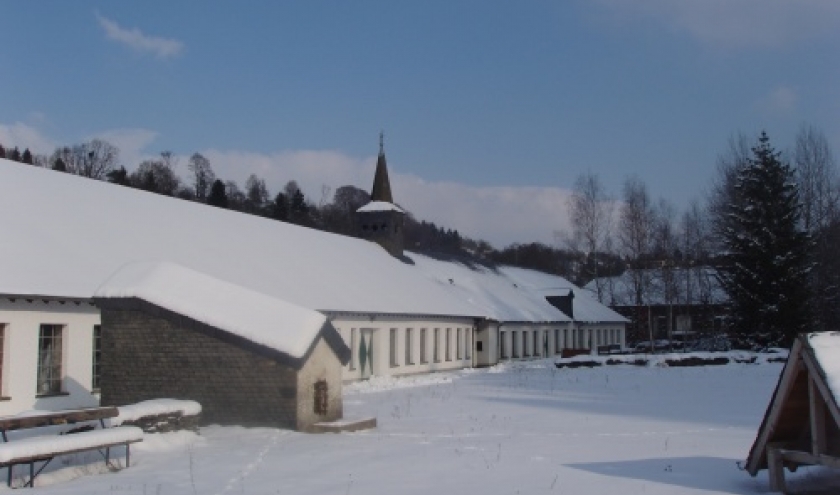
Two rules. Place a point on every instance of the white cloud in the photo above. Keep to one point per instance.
(132, 143)
(135, 39)
(25, 136)
(727, 23)
(781, 100)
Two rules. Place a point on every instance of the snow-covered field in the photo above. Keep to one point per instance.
(514, 429)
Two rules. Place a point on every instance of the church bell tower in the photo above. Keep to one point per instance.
(382, 221)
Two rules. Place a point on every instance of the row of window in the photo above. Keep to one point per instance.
(447, 344)
(460, 345)
(535, 343)
(50, 370)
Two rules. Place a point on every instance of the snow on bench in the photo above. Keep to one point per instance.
(44, 448)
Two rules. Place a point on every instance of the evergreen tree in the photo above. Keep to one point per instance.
(117, 176)
(298, 209)
(2, 151)
(218, 195)
(59, 165)
(280, 208)
(766, 265)
(27, 157)
(15, 155)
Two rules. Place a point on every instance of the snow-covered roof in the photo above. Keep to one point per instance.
(71, 234)
(585, 308)
(381, 206)
(514, 294)
(826, 347)
(697, 285)
(262, 319)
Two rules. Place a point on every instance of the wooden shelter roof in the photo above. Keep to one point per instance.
(803, 414)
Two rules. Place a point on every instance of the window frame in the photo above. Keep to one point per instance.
(96, 364)
(53, 382)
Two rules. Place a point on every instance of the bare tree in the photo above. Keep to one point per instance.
(591, 211)
(236, 198)
(816, 174)
(722, 193)
(202, 175)
(98, 158)
(256, 194)
(93, 159)
(155, 176)
(635, 236)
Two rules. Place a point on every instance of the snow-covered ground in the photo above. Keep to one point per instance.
(513, 429)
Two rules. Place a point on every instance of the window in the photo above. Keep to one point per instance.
(514, 345)
(321, 402)
(409, 359)
(49, 359)
(97, 357)
(448, 340)
(468, 344)
(424, 358)
(557, 346)
(538, 349)
(352, 362)
(524, 334)
(502, 346)
(437, 345)
(2, 353)
(393, 342)
(458, 344)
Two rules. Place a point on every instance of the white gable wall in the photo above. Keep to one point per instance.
(22, 319)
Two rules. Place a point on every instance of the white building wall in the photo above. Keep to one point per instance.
(22, 319)
(402, 358)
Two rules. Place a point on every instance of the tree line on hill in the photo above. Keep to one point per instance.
(98, 159)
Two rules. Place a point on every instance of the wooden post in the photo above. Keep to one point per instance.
(775, 470)
(817, 406)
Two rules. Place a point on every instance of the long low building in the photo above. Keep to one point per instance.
(396, 312)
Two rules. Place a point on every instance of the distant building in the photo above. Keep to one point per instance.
(677, 303)
(68, 336)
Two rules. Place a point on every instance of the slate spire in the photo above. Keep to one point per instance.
(381, 185)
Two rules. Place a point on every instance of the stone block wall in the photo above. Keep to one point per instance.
(146, 356)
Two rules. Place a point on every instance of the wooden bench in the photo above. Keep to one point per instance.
(44, 448)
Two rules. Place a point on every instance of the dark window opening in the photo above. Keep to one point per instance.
(478, 346)
(97, 357)
(321, 397)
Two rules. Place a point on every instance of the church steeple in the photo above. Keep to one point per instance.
(381, 185)
(382, 221)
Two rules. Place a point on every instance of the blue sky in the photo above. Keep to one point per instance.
(490, 109)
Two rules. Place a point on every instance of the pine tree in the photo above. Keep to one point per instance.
(27, 157)
(766, 262)
(15, 155)
(280, 208)
(2, 151)
(59, 165)
(298, 209)
(218, 196)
